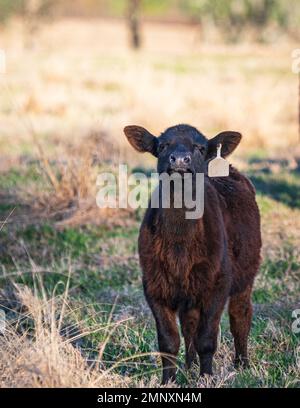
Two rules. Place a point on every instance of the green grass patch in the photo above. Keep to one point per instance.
(20, 177)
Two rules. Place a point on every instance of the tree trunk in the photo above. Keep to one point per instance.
(134, 24)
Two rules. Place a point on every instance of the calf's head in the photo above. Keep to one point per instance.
(181, 148)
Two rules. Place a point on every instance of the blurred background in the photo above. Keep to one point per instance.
(80, 66)
(77, 72)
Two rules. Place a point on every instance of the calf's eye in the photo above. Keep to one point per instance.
(163, 146)
(200, 148)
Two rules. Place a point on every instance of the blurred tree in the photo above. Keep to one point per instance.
(233, 16)
(35, 10)
(9, 8)
(134, 23)
(34, 13)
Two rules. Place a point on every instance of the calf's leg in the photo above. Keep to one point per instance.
(189, 320)
(168, 339)
(206, 338)
(240, 316)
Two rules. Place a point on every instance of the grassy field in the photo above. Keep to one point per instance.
(70, 279)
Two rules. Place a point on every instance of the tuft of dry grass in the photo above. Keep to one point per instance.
(69, 189)
(40, 356)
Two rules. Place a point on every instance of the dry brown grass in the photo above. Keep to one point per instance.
(42, 358)
(39, 356)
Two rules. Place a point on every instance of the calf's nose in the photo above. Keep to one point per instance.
(180, 159)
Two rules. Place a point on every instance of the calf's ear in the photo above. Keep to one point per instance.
(229, 141)
(141, 139)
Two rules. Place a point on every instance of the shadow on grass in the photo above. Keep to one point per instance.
(281, 185)
(287, 192)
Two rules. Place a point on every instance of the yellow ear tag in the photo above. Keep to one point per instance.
(218, 167)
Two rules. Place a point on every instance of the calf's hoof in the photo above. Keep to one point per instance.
(241, 362)
(191, 361)
(168, 378)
